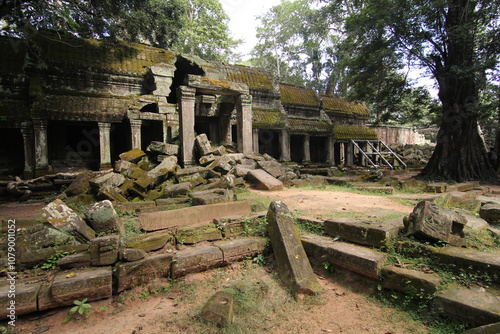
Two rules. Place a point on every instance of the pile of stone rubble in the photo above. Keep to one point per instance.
(156, 174)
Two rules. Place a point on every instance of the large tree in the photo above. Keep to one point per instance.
(195, 26)
(457, 42)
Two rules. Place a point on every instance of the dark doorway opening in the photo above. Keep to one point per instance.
(269, 142)
(297, 148)
(209, 126)
(12, 154)
(121, 140)
(151, 131)
(318, 147)
(336, 153)
(73, 145)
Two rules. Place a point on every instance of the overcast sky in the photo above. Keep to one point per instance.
(243, 23)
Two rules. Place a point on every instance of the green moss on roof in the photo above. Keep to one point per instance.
(254, 78)
(346, 132)
(298, 96)
(268, 119)
(309, 125)
(337, 104)
(70, 52)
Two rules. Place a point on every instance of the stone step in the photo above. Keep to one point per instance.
(443, 187)
(359, 259)
(376, 234)
(475, 305)
(469, 259)
(412, 282)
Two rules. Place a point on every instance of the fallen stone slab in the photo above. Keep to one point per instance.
(219, 309)
(133, 206)
(475, 305)
(113, 194)
(411, 282)
(488, 199)
(161, 172)
(459, 202)
(383, 190)
(149, 242)
(235, 226)
(176, 190)
(264, 181)
(133, 156)
(18, 297)
(358, 259)
(293, 265)
(163, 148)
(193, 215)
(491, 213)
(131, 254)
(79, 260)
(486, 329)
(196, 259)
(36, 257)
(465, 186)
(470, 259)
(80, 184)
(104, 250)
(131, 274)
(376, 234)
(90, 283)
(203, 144)
(65, 219)
(473, 222)
(434, 222)
(192, 234)
(239, 249)
(212, 196)
(103, 218)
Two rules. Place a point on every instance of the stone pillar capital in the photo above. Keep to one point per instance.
(104, 125)
(245, 99)
(40, 123)
(135, 122)
(186, 93)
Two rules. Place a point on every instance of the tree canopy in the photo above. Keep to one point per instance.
(195, 26)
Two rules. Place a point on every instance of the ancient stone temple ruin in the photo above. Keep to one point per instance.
(69, 103)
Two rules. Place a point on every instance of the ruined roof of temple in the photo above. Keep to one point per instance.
(309, 125)
(300, 96)
(68, 52)
(256, 79)
(334, 104)
(346, 132)
(268, 119)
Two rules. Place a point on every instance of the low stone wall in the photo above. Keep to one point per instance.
(400, 135)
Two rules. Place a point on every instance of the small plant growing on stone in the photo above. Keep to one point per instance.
(81, 308)
(51, 263)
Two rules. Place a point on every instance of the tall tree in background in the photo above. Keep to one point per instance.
(195, 26)
(457, 41)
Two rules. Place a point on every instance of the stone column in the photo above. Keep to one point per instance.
(29, 150)
(135, 127)
(307, 149)
(186, 98)
(330, 150)
(349, 154)
(104, 145)
(41, 147)
(244, 119)
(165, 131)
(255, 138)
(342, 153)
(285, 145)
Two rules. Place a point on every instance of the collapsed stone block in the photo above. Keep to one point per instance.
(431, 221)
(273, 168)
(412, 282)
(194, 179)
(212, 196)
(131, 274)
(239, 249)
(131, 255)
(106, 181)
(163, 148)
(191, 260)
(293, 265)
(264, 181)
(176, 190)
(79, 260)
(66, 220)
(203, 145)
(112, 194)
(103, 218)
(133, 156)
(149, 242)
(160, 172)
(104, 250)
(219, 309)
(491, 213)
(26, 292)
(80, 185)
(192, 234)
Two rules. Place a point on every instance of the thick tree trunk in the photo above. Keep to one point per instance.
(460, 154)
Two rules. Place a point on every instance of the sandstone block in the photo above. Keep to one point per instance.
(112, 194)
(134, 155)
(264, 181)
(194, 179)
(239, 249)
(475, 305)
(131, 274)
(293, 265)
(160, 172)
(491, 213)
(131, 255)
(408, 281)
(66, 220)
(109, 180)
(102, 217)
(191, 260)
(80, 184)
(149, 242)
(486, 329)
(213, 196)
(26, 293)
(104, 250)
(219, 309)
(79, 260)
(192, 234)
(431, 221)
(176, 190)
(203, 144)
(163, 148)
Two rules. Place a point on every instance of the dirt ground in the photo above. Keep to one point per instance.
(345, 306)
